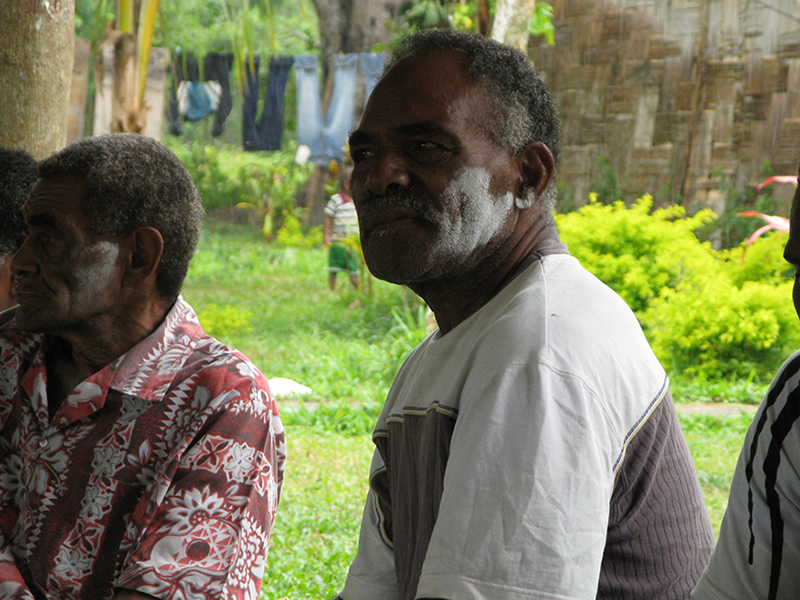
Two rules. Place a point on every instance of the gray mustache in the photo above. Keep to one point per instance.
(403, 198)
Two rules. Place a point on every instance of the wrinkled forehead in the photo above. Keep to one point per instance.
(427, 86)
(64, 193)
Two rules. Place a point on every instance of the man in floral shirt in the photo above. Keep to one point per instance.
(139, 457)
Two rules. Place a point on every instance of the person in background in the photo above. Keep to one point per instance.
(341, 230)
(139, 457)
(758, 551)
(528, 448)
(17, 176)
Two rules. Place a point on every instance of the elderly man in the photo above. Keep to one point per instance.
(139, 457)
(529, 448)
(17, 176)
(758, 551)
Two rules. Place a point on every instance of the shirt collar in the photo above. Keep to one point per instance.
(147, 369)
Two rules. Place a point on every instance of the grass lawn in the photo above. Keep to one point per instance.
(273, 304)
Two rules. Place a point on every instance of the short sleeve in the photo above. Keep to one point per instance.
(372, 572)
(206, 522)
(332, 205)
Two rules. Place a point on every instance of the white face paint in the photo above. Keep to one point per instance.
(470, 223)
(67, 277)
(480, 214)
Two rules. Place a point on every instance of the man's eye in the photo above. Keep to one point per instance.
(43, 236)
(427, 151)
(360, 154)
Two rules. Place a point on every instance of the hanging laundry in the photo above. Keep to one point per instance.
(325, 136)
(371, 64)
(197, 99)
(266, 132)
(212, 89)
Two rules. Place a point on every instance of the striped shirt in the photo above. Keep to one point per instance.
(758, 551)
(342, 211)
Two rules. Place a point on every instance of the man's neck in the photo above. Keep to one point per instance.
(73, 359)
(453, 301)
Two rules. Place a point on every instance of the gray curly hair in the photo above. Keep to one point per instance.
(524, 109)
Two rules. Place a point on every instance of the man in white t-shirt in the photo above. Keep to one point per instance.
(529, 448)
(758, 551)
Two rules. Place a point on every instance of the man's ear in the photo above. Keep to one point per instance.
(147, 245)
(536, 170)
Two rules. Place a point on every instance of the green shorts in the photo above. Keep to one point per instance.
(342, 259)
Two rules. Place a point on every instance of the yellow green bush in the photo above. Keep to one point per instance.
(714, 314)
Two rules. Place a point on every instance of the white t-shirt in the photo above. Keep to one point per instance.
(518, 420)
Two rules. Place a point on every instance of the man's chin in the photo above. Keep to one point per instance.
(395, 268)
(30, 320)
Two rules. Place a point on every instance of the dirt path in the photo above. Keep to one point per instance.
(714, 408)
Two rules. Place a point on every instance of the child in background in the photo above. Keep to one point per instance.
(341, 226)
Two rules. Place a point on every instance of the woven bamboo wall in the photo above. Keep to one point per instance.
(684, 98)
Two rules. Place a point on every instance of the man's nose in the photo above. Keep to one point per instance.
(388, 171)
(22, 262)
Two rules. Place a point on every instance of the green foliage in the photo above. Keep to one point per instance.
(263, 27)
(226, 177)
(345, 345)
(291, 233)
(707, 314)
(91, 17)
(730, 229)
(339, 418)
(430, 14)
(713, 328)
(715, 443)
(316, 533)
(542, 22)
(605, 184)
(762, 261)
(635, 251)
(701, 389)
(225, 321)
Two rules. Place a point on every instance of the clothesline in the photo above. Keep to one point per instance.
(324, 134)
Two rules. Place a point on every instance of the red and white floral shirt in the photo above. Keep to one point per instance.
(160, 473)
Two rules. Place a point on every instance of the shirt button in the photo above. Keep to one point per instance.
(43, 443)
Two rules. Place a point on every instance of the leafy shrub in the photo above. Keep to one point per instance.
(291, 233)
(225, 321)
(227, 177)
(713, 328)
(635, 251)
(762, 261)
(708, 314)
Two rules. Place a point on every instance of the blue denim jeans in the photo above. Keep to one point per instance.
(309, 107)
(326, 137)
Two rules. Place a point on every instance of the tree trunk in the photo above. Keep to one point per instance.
(484, 20)
(37, 45)
(354, 26)
(126, 115)
(511, 21)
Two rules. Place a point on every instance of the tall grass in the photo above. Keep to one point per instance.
(272, 303)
